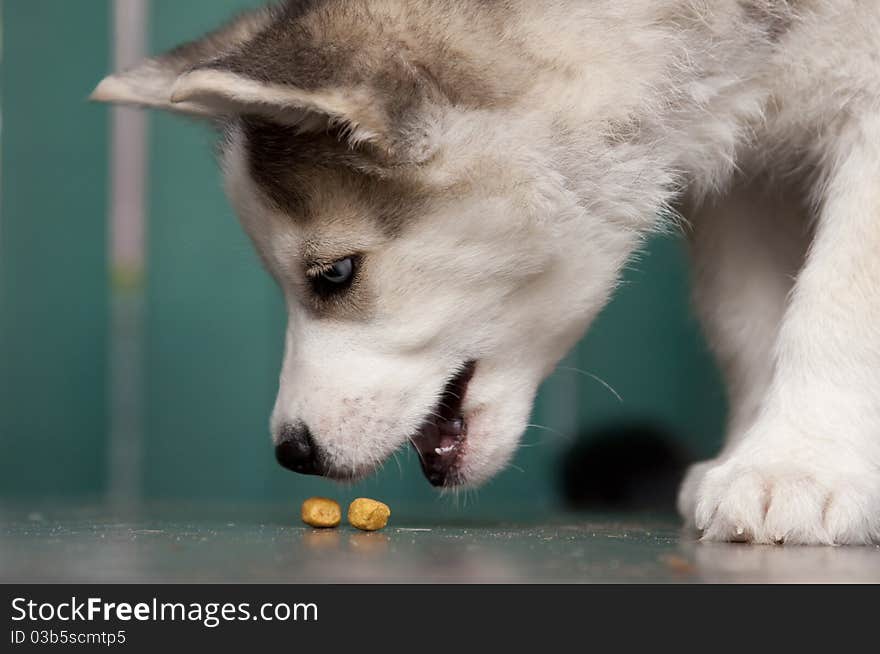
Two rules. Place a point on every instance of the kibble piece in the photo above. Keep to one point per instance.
(368, 515)
(321, 512)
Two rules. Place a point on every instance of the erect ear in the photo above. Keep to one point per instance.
(267, 64)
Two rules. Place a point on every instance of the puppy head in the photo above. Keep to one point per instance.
(436, 265)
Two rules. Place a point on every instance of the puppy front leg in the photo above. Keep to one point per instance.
(746, 247)
(808, 470)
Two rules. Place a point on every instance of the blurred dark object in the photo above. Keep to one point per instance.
(623, 467)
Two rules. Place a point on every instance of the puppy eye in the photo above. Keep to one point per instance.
(339, 272)
(333, 278)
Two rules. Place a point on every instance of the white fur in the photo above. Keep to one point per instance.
(767, 126)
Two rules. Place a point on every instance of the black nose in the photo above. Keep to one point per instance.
(296, 450)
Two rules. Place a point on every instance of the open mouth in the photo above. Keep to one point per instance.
(442, 436)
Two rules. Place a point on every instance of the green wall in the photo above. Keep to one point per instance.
(53, 285)
(213, 323)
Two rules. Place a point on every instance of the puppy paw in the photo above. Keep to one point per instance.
(788, 501)
(687, 492)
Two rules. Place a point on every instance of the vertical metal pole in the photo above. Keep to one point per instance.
(126, 238)
(2, 50)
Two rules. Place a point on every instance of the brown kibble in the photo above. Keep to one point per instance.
(321, 512)
(368, 515)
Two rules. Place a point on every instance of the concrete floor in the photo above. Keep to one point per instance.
(268, 544)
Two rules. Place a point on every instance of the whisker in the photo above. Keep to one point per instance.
(596, 378)
(418, 451)
(544, 441)
(397, 461)
(548, 429)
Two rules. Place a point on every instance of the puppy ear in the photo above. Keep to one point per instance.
(276, 65)
(222, 90)
(151, 83)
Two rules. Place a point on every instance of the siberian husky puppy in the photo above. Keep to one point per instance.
(447, 190)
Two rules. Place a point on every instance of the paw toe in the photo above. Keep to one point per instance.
(795, 512)
(688, 493)
(852, 518)
(733, 505)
